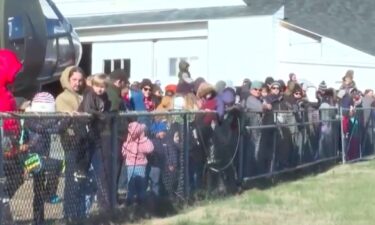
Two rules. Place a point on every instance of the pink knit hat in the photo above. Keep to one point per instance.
(43, 102)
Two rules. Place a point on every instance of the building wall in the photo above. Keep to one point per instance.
(160, 47)
(227, 49)
(241, 48)
(327, 60)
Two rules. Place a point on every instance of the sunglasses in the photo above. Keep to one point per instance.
(297, 93)
(147, 89)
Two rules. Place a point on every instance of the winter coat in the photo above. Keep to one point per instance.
(95, 105)
(137, 146)
(9, 67)
(225, 98)
(114, 96)
(68, 100)
(39, 133)
(165, 153)
(210, 104)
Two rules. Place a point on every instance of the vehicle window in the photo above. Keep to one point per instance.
(55, 26)
(15, 28)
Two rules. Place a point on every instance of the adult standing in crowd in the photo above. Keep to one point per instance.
(118, 79)
(73, 82)
(255, 107)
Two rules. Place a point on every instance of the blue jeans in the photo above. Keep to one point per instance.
(137, 183)
(155, 180)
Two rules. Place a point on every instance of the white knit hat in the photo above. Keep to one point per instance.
(178, 103)
(43, 102)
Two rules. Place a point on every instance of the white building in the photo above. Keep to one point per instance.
(222, 39)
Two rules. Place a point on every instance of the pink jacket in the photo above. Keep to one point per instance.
(137, 146)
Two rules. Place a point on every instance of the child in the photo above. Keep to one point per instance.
(95, 101)
(166, 152)
(37, 162)
(134, 150)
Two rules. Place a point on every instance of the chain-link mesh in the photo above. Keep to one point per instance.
(70, 168)
(283, 140)
(357, 133)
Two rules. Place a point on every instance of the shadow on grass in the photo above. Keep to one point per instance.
(270, 180)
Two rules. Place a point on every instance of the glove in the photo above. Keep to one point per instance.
(33, 163)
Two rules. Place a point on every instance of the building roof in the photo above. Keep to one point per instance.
(347, 21)
(173, 15)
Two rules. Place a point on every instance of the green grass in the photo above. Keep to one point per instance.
(344, 195)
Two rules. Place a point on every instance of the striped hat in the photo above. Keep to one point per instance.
(322, 86)
(43, 102)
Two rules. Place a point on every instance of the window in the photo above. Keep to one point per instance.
(114, 64)
(174, 62)
(55, 26)
(15, 28)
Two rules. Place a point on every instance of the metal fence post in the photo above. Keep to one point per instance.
(2, 175)
(372, 130)
(186, 155)
(241, 153)
(343, 138)
(114, 159)
(274, 155)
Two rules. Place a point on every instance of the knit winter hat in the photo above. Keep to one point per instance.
(178, 103)
(158, 127)
(43, 102)
(220, 86)
(171, 88)
(269, 80)
(322, 86)
(204, 89)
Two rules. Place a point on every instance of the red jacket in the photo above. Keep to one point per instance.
(210, 104)
(9, 67)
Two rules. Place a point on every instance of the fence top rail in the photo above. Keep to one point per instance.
(8, 115)
(288, 124)
(291, 111)
(359, 109)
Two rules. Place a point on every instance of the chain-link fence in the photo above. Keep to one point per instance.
(71, 167)
(357, 133)
(279, 141)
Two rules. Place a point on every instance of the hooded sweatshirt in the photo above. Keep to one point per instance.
(9, 67)
(68, 100)
(137, 146)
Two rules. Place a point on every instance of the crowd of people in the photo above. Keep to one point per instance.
(149, 147)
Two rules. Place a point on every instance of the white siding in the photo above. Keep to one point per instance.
(240, 48)
(326, 60)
